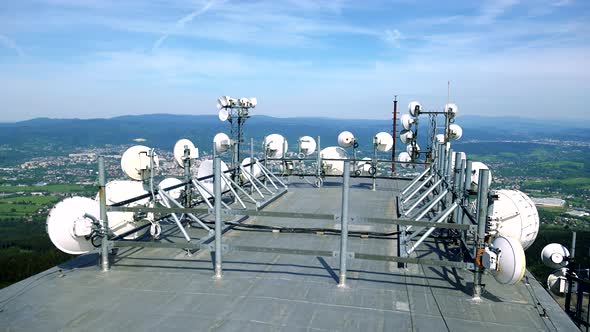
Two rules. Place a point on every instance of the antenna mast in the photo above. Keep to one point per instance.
(393, 134)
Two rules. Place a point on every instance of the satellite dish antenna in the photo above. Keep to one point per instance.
(383, 141)
(440, 138)
(169, 182)
(335, 166)
(206, 170)
(255, 170)
(451, 110)
(122, 222)
(67, 227)
(509, 265)
(245, 102)
(364, 166)
(179, 151)
(557, 282)
(555, 255)
(275, 145)
(406, 136)
(307, 145)
(404, 157)
(222, 102)
(253, 102)
(514, 214)
(414, 108)
(135, 162)
(407, 121)
(223, 114)
(346, 139)
(222, 142)
(455, 131)
(410, 147)
(476, 166)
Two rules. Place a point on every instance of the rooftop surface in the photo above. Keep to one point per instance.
(166, 289)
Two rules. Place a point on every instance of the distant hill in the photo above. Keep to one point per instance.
(162, 130)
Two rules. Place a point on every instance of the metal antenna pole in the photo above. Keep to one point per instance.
(217, 208)
(319, 165)
(104, 247)
(344, 224)
(393, 134)
(252, 162)
(187, 177)
(482, 215)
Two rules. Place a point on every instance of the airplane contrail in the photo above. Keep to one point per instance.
(182, 22)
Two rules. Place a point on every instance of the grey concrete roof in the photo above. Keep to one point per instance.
(164, 289)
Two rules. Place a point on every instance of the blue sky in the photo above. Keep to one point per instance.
(347, 59)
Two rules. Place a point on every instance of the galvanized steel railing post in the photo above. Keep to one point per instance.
(482, 214)
(344, 224)
(217, 208)
(104, 246)
(319, 165)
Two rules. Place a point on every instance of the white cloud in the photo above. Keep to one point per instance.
(392, 37)
(11, 44)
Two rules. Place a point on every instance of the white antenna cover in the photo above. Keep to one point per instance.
(414, 108)
(346, 139)
(410, 147)
(222, 142)
(511, 261)
(245, 102)
(440, 138)
(307, 145)
(456, 132)
(179, 151)
(404, 157)
(169, 182)
(255, 169)
(121, 222)
(476, 166)
(384, 141)
(253, 101)
(67, 226)
(223, 114)
(451, 110)
(222, 102)
(407, 121)
(275, 145)
(206, 169)
(364, 166)
(333, 167)
(555, 255)
(406, 136)
(135, 162)
(514, 214)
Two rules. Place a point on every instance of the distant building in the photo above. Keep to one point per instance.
(577, 213)
(549, 201)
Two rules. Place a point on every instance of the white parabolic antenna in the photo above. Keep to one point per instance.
(122, 222)
(404, 157)
(275, 145)
(476, 166)
(254, 169)
(515, 215)
(345, 139)
(455, 131)
(135, 162)
(511, 261)
(169, 182)
(414, 108)
(222, 142)
(555, 255)
(451, 110)
(223, 114)
(179, 151)
(557, 282)
(384, 141)
(333, 167)
(364, 166)
(407, 121)
(440, 138)
(307, 145)
(406, 136)
(67, 226)
(206, 169)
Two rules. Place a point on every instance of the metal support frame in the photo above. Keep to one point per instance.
(344, 224)
(104, 248)
(482, 214)
(218, 221)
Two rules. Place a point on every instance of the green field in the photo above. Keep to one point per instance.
(51, 188)
(18, 207)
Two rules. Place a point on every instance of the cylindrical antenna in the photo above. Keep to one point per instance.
(393, 134)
